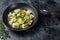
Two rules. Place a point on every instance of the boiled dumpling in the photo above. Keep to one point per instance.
(17, 10)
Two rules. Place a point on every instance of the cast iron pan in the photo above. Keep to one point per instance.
(16, 6)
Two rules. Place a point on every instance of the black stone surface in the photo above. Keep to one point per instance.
(48, 25)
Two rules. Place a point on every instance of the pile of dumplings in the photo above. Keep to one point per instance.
(20, 18)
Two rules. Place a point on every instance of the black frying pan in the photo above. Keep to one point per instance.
(15, 6)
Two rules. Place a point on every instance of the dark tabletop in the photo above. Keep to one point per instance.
(48, 25)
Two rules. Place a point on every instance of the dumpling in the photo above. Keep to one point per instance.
(17, 10)
(28, 12)
(11, 21)
(30, 22)
(15, 25)
(23, 11)
(9, 14)
(23, 25)
(20, 21)
(31, 16)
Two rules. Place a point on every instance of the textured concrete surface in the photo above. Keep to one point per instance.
(48, 25)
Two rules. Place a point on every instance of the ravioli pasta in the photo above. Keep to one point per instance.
(20, 18)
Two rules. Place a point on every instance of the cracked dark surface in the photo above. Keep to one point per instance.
(48, 25)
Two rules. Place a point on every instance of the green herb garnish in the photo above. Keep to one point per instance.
(3, 33)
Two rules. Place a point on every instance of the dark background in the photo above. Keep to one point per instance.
(48, 25)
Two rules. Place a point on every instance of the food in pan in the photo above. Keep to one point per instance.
(20, 18)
